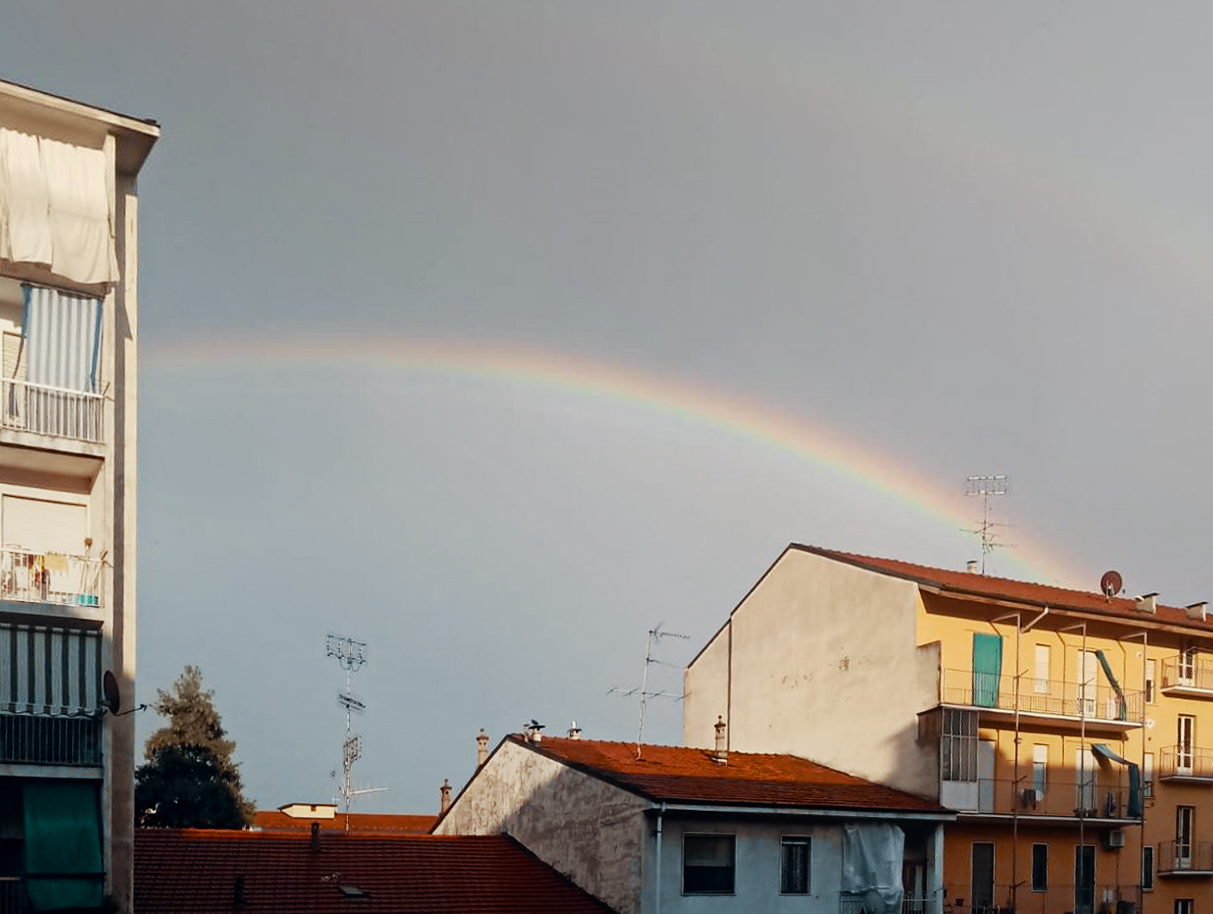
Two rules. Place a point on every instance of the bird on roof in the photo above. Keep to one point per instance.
(536, 725)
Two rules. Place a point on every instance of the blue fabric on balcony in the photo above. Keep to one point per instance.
(987, 668)
(1134, 805)
(63, 844)
(62, 338)
(1122, 709)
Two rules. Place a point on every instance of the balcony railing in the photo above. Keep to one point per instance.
(35, 577)
(1095, 700)
(12, 895)
(1053, 898)
(1185, 858)
(850, 903)
(1187, 673)
(53, 411)
(1176, 762)
(1087, 799)
(28, 739)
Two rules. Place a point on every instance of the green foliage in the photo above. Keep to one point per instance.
(190, 779)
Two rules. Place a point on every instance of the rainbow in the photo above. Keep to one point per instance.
(579, 377)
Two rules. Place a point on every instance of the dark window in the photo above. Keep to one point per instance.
(1183, 906)
(708, 864)
(958, 745)
(1040, 867)
(794, 871)
(1147, 867)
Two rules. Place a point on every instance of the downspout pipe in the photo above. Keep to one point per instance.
(657, 877)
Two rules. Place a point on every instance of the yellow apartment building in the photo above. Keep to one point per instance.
(1071, 731)
(69, 330)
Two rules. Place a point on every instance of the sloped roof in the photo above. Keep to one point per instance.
(360, 823)
(966, 583)
(678, 774)
(195, 872)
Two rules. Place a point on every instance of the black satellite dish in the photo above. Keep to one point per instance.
(113, 697)
(1111, 584)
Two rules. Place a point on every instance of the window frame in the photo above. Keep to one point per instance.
(805, 841)
(1043, 887)
(732, 839)
(1147, 869)
(1151, 684)
(1184, 906)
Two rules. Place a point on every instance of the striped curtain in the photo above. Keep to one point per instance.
(62, 338)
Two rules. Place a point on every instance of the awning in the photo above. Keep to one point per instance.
(1134, 806)
(1122, 710)
(62, 338)
(63, 844)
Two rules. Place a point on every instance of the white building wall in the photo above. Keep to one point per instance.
(589, 831)
(823, 664)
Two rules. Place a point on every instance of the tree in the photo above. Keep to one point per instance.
(190, 780)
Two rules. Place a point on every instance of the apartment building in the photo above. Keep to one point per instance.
(69, 267)
(1064, 727)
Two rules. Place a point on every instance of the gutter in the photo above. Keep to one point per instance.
(943, 815)
(657, 885)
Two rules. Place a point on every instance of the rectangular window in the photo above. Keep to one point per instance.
(1147, 774)
(958, 745)
(794, 868)
(1185, 816)
(708, 864)
(1183, 906)
(1151, 678)
(1040, 867)
(1084, 770)
(1147, 867)
(1185, 738)
(1043, 656)
(1040, 769)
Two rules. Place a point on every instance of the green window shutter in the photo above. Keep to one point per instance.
(62, 844)
(987, 668)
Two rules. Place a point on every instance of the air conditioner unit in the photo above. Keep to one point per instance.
(1113, 839)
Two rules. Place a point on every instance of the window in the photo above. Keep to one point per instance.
(1040, 867)
(1147, 775)
(1147, 867)
(794, 868)
(958, 745)
(1184, 818)
(1183, 906)
(708, 864)
(1184, 740)
(1041, 685)
(1187, 670)
(1151, 677)
(1040, 769)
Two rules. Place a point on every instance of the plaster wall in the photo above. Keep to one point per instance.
(824, 664)
(591, 832)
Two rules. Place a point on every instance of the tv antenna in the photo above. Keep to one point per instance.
(351, 654)
(655, 635)
(985, 488)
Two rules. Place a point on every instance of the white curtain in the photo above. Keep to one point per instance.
(871, 865)
(55, 207)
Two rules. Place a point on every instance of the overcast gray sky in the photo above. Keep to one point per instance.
(954, 238)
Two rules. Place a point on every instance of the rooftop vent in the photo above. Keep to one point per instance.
(721, 754)
(352, 893)
(574, 731)
(240, 892)
(1148, 603)
(482, 747)
(445, 795)
(971, 566)
(1197, 610)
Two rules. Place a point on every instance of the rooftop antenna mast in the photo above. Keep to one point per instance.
(351, 654)
(655, 635)
(987, 487)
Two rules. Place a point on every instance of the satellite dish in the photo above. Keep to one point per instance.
(1111, 584)
(113, 697)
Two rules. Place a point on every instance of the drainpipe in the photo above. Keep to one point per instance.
(657, 878)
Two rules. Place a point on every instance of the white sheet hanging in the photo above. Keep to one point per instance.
(871, 865)
(24, 207)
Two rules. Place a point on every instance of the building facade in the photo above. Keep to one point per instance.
(669, 829)
(69, 269)
(1063, 726)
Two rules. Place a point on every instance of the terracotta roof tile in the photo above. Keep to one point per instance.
(361, 823)
(968, 583)
(195, 872)
(677, 774)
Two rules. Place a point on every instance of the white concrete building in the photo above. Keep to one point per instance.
(69, 329)
(674, 829)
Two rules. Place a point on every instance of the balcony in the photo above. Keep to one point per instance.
(1053, 899)
(851, 903)
(27, 739)
(49, 578)
(997, 799)
(1043, 702)
(54, 411)
(1187, 675)
(1185, 858)
(12, 895)
(1185, 764)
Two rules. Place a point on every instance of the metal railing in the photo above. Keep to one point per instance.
(35, 577)
(13, 899)
(851, 903)
(1191, 671)
(1184, 857)
(1054, 898)
(30, 739)
(1086, 799)
(1095, 700)
(1185, 762)
(56, 411)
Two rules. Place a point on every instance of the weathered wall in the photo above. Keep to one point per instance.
(589, 831)
(826, 665)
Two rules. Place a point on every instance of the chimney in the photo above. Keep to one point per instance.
(971, 566)
(722, 753)
(445, 791)
(482, 748)
(240, 892)
(316, 837)
(574, 731)
(1148, 603)
(1197, 611)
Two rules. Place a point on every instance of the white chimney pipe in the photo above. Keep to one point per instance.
(482, 748)
(722, 753)
(445, 793)
(1148, 603)
(971, 566)
(1197, 610)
